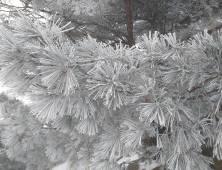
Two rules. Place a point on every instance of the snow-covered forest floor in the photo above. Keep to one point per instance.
(147, 166)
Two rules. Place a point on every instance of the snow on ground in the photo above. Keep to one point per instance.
(142, 166)
(64, 167)
(148, 166)
(60, 167)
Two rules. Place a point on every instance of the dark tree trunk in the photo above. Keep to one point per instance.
(129, 22)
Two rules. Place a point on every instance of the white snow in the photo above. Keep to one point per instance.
(128, 159)
(16, 3)
(142, 166)
(148, 166)
(64, 167)
(60, 167)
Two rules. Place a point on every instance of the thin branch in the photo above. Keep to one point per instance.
(118, 33)
(197, 87)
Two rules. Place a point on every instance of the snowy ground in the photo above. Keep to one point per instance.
(148, 166)
(64, 167)
(60, 167)
(141, 167)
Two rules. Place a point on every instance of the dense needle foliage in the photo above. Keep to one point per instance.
(95, 103)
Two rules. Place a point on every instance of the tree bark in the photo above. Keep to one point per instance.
(129, 22)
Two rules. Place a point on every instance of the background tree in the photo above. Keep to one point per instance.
(107, 21)
(95, 102)
(6, 111)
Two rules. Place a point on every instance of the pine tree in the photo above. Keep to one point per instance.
(93, 103)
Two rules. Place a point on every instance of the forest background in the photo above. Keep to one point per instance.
(114, 28)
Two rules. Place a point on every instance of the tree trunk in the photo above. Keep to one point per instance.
(129, 22)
